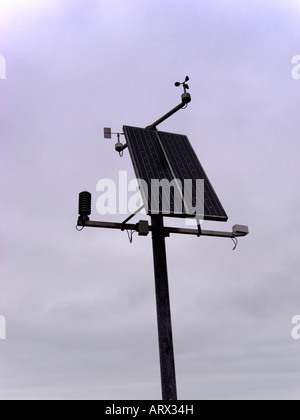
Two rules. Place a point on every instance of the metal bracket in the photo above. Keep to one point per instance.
(143, 228)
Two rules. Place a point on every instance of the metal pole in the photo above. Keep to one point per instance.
(165, 336)
(167, 115)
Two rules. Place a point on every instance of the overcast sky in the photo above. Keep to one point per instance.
(80, 307)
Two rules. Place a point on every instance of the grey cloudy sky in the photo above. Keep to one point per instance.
(80, 307)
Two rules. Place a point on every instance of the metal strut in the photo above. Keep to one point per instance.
(131, 216)
(167, 115)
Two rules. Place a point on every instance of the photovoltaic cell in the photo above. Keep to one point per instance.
(158, 156)
(186, 165)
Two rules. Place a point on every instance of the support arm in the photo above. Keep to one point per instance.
(167, 230)
(186, 98)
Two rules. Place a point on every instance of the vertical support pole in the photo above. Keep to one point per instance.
(165, 336)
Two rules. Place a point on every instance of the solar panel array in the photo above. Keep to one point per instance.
(172, 180)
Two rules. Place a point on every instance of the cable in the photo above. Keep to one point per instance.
(130, 234)
(235, 241)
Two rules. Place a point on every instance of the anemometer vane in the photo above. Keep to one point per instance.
(120, 147)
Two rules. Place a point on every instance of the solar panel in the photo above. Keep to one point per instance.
(172, 180)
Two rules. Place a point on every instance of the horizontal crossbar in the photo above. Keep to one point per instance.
(166, 230)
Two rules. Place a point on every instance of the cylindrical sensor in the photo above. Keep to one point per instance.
(85, 204)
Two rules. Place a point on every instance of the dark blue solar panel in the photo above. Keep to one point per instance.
(174, 182)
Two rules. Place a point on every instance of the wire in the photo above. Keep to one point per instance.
(130, 234)
(236, 242)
